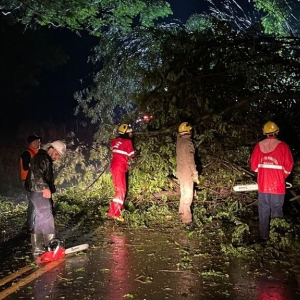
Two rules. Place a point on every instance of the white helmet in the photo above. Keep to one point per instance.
(60, 147)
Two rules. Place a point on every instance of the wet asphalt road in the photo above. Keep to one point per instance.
(150, 264)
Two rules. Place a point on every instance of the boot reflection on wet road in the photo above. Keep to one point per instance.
(119, 268)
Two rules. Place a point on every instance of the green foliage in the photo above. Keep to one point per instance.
(281, 234)
(275, 17)
(198, 22)
(8, 208)
(86, 15)
(232, 251)
(281, 17)
(68, 206)
(150, 170)
(239, 231)
(200, 214)
(84, 172)
(12, 218)
(202, 76)
(150, 215)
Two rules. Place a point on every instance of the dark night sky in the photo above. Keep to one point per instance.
(73, 76)
(182, 10)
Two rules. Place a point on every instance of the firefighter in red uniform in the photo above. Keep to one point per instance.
(122, 151)
(273, 162)
(34, 143)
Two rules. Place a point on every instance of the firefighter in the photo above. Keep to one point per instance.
(40, 185)
(273, 162)
(186, 170)
(34, 143)
(122, 151)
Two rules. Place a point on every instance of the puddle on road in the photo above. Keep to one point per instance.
(157, 264)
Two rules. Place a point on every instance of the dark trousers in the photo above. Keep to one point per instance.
(269, 205)
(30, 214)
(43, 220)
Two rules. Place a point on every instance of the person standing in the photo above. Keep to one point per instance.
(34, 143)
(273, 161)
(40, 185)
(122, 151)
(186, 170)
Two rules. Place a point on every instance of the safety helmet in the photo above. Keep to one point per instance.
(270, 128)
(184, 128)
(60, 147)
(124, 128)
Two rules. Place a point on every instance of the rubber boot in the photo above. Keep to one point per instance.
(48, 238)
(30, 216)
(37, 244)
(114, 210)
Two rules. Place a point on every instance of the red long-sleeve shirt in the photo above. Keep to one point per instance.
(273, 162)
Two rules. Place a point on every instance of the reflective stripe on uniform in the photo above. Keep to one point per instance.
(120, 152)
(131, 153)
(265, 166)
(276, 167)
(118, 201)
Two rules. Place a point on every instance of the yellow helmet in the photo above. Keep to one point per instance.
(124, 128)
(270, 128)
(184, 128)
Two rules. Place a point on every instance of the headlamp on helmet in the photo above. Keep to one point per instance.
(124, 128)
(184, 128)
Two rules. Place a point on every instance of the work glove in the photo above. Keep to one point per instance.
(195, 177)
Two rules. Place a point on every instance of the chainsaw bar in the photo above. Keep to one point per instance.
(76, 248)
(252, 187)
(245, 187)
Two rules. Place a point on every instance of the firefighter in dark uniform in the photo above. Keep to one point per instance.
(186, 170)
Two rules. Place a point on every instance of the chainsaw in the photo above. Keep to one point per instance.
(55, 251)
(252, 187)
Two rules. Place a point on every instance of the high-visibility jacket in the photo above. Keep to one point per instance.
(122, 150)
(273, 161)
(25, 160)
